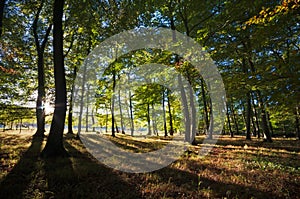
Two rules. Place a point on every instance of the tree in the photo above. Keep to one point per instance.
(54, 146)
(40, 48)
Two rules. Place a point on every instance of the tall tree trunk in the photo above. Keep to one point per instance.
(270, 124)
(121, 112)
(164, 114)
(205, 111)
(253, 125)
(70, 114)
(297, 122)
(193, 115)
(186, 114)
(87, 109)
(170, 114)
(40, 102)
(256, 116)
(113, 106)
(154, 121)
(131, 114)
(93, 120)
(182, 91)
(148, 119)
(40, 48)
(211, 122)
(106, 118)
(83, 90)
(54, 146)
(2, 4)
(248, 117)
(264, 121)
(235, 120)
(228, 120)
(81, 102)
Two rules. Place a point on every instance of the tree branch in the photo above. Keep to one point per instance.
(71, 45)
(34, 26)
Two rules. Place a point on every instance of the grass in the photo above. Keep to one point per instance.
(234, 168)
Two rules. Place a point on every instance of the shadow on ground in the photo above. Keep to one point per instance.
(79, 176)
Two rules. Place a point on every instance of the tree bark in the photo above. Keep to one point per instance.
(253, 125)
(170, 114)
(164, 113)
(70, 114)
(154, 124)
(266, 131)
(270, 124)
(236, 124)
(131, 114)
(148, 119)
(121, 112)
(228, 120)
(248, 117)
(256, 116)
(205, 107)
(87, 110)
(186, 114)
(193, 114)
(297, 122)
(113, 106)
(40, 48)
(54, 146)
(83, 90)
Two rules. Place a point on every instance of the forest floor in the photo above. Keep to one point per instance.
(234, 168)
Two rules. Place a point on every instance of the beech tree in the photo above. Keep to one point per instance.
(40, 48)
(54, 145)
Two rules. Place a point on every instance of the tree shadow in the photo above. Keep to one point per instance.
(290, 145)
(78, 176)
(18, 180)
(81, 176)
(137, 145)
(197, 186)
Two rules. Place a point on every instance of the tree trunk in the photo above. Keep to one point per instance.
(20, 125)
(93, 120)
(297, 122)
(87, 110)
(248, 117)
(54, 146)
(256, 116)
(113, 106)
(211, 122)
(148, 119)
(164, 114)
(270, 124)
(186, 114)
(170, 114)
(253, 125)
(266, 131)
(70, 114)
(236, 124)
(131, 114)
(106, 119)
(121, 113)
(83, 90)
(193, 115)
(205, 107)
(154, 124)
(81, 101)
(40, 102)
(40, 48)
(228, 120)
